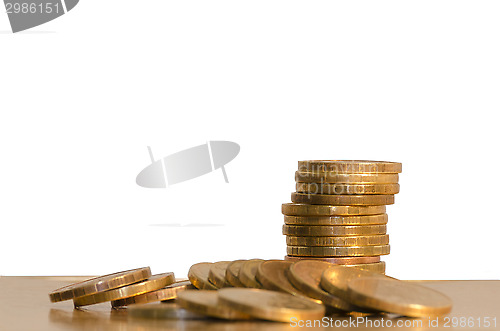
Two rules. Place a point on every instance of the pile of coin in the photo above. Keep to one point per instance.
(273, 290)
(122, 289)
(304, 285)
(338, 214)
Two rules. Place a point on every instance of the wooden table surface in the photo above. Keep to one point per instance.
(25, 305)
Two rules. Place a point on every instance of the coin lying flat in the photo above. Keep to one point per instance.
(338, 251)
(198, 275)
(306, 276)
(334, 280)
(350, 166)
(272, 276)
(217, 274)
(338, 241)
(233, 272)
(271, 305)
(377, 267)
(99, 284)
(168, 293)
(336, 220)
(340, 188)
(343, 200)
(334, 230)
(301, 209)
(248, 271)
(332, 177)
(398, 297)
(341, 260)
(162, 311)
(153, 283)
(207, 303)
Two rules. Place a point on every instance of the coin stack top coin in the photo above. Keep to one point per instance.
(338, 214)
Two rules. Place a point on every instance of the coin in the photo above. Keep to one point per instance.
(207, 303)
(271, 305)
(217, 274)
(336, 220)
(168, 293)
(350, 166)
(299, 209)
(272, 276)
(332, 177)
(398, 297)
(233, 272)
(343, 200)
(248, 271)
(338, 188)
(338, 241)
(337, 260)
(198, 275)
(377, 267)
(153, 283)
(334, 230)
(99, 284)
(334, 280)
(306, 276)
(162, 311)
(338, 251)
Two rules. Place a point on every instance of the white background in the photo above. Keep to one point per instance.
(82, 96)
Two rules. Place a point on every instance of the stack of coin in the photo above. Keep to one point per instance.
(338, 214)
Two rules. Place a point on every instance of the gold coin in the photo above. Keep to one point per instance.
(337, 251)
(350, 166)
(168, 311)
(299, 209)
(338, 241)
(272, 275)
(168, 293)
(332, 177)
(248, 271)
(207, 303)
(271, 305)
(99, 284)
(398, 297)
(233, 272)
(336, 220)
(334, 280)
(217, 274)
(377, 267)
(334, 230)
(340, 260)
(306, 276)
(339, 189)
(343, 200)
(153, 283)
(198, 275)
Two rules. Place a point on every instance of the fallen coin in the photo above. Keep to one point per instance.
(198, 275)
(153, 283)
(248, 272)
(398, 297)
(207, 303)
(217, 274)
(99, 284)
(168, 293)
(271, 305)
